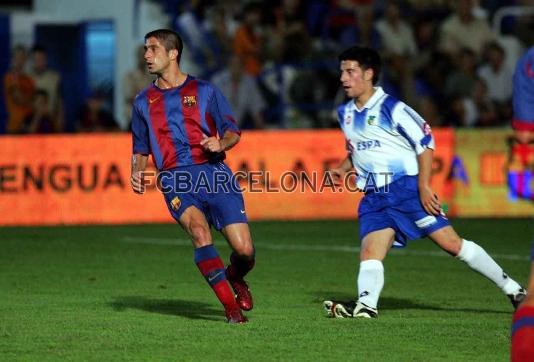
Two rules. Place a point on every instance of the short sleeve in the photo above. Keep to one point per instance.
(140, 139)
(221, 112)
(410, 125)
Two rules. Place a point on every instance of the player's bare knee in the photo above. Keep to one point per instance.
(200, 234)
(245, 250)
(452, 245)
(456, 245)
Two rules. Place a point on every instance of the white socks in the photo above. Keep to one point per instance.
(370, 282)
(371, 275)
(477, 258)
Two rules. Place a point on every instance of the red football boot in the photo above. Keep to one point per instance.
(234, 316)
(242, 293)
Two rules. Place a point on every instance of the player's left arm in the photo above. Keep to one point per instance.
(219, 109)
(428, 198)
(214, 144)
(418, 133)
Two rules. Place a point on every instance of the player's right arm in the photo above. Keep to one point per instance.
(141, 149)
(139, 162)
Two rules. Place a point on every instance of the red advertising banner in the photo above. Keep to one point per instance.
(84, 178)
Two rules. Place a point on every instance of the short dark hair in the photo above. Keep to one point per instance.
(367, 58)
(169, 38)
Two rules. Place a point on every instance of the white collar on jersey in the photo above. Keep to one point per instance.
(379, 93)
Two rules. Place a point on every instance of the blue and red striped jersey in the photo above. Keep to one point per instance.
(523, 97)
(170, 123)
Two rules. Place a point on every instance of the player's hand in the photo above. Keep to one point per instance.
(212, 144)
(136, 181)
(337, 176)
(429, 200)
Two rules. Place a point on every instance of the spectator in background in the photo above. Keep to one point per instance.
(247, 41)
(462, 79)
(523, 25)
(40, 120)
(292, 42)
(94, 117)
(230, 10)
(134, 81)
(398, 47)
(220, 27)
(474, 110)
(486, 113)
(396, 35)
(365, 16)
(48, 80)
(190, 23)
(340, 20)
(351, 21)
(498, 77)
(463, 30)
(18, 90)
(431, 68)
(243, 94)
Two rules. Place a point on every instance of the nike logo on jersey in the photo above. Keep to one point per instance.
(242, 211)
(367, 145)
(152, 100)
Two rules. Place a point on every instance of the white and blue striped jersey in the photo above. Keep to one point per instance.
(384, 139)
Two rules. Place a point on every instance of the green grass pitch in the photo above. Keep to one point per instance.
(107, 293)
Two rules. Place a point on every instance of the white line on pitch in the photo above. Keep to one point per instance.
(308, 247)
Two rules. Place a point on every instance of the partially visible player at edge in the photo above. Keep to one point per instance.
(523, 324)
(391, 149)
(187, 125)
(523, 125)
(523, 98)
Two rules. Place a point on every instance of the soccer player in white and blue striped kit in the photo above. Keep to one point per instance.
(391, 148)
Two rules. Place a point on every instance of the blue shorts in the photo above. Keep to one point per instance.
(210, 187)
(397, 206)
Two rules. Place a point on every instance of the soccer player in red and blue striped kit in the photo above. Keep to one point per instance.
(523, 125)
(187, 125)
(523, 325)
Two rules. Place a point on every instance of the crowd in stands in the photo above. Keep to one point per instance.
(276, 62)
(34, 102)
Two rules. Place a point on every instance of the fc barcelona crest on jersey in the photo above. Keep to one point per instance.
(175, 203)
(189, 101)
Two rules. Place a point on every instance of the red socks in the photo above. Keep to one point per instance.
(212, 268)
(523, 335)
